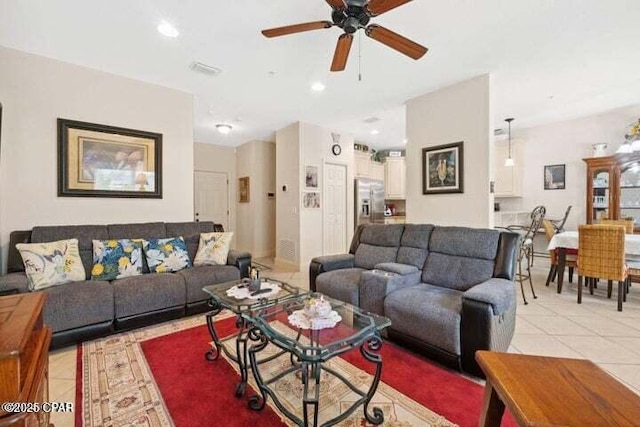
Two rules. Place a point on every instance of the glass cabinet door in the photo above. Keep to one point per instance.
(601, 194)
(630, 192)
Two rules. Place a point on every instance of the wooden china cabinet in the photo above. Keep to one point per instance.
(613, 187)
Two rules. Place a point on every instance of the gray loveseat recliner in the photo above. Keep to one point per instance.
(448, 291)
(81, 310)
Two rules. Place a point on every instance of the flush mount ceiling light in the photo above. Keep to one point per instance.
(168, 30)
(509, 161)
(375, 132)
(224, 128)
(318, 86)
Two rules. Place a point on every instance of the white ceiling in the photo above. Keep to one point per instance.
(550, 59)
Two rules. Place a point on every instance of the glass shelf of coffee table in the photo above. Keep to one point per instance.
(219, 300)
(309, 351)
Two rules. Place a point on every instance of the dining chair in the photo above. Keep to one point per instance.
(526, 248)
(558, 224)
(550, 231)
(601, 249)
(626, 223)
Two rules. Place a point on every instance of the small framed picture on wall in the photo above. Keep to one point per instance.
(554, 177)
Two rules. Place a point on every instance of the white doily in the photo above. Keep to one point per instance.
(244, 292)
(300, 320)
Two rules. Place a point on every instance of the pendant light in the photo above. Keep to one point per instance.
(509, 161)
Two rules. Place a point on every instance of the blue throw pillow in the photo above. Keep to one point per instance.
(115, 259)
(166, 255)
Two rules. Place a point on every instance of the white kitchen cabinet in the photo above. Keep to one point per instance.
(508, 179)
(376, 171)
(363, 164)
(395, 178)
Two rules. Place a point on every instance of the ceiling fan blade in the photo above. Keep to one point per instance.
(378, 7)
(298, 28)
(396, 41)
(342, 52)
(336, 4)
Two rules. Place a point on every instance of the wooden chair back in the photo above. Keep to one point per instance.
(601, 251)
(626, 223)
(549, 232)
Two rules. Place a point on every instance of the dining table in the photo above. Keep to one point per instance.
(569, 240)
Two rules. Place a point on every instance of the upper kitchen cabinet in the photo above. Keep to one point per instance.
(363, 164)
(508, 179)
(376, 171)
(395, 178)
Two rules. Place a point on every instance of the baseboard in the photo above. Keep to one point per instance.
(267, 254)
(283, 263)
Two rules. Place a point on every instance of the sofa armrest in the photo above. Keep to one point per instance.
(326, 263)
(14, 282)
(499, 293)
(375, 285)
(240, 259)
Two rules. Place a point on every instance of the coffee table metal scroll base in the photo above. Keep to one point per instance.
(310, 369)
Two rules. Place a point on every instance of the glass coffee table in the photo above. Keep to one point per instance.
(220, 300)
(309, 351)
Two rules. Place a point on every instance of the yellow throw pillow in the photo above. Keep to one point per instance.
(213, 248)
(53, 263)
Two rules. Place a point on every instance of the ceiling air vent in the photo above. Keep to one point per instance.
(205, 69)
(371, 120)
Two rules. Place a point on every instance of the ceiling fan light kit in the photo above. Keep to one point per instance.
(351, 16)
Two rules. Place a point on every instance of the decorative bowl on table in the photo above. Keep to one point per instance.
(317, 307)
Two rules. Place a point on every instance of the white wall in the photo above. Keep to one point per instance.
(35, 91)
(288, 202)
(215, 158)
(566, 142)
(458, 113)
(256, 223)
(297, 146)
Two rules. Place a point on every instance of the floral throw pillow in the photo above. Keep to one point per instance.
(115, 259)
(53, 263)
(166, 255)
(213, 248)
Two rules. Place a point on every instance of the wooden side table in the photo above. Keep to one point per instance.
(550, 391)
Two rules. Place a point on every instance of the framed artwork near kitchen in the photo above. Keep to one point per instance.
(244, 189)
(106, 161)
(554, 177)
(443, 169)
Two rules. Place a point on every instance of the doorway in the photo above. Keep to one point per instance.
(211, 197)
(335, 211)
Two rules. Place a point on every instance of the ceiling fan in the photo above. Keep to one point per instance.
(351, 16)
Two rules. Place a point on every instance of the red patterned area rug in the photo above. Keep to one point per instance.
(158, 376)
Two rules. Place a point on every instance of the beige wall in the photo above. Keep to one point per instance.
(458, 113)
(35, 91)
(215, 158)
(256, 223)
(288, 202)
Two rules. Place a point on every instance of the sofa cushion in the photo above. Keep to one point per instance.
(460, 257)
(197, 278)
(428, 313)
(414, 244)
(84, 233)
(394, 267)
(368, 256)
(149, 230)
(190, 232)
(213, 248)
(166, 255)
(382, 235)
(51, 264)
(149, 292)
(343, 284)
(78, 304)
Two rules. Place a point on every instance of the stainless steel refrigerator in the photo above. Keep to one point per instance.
(369, 201)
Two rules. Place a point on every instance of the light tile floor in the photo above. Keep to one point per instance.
(551, 325)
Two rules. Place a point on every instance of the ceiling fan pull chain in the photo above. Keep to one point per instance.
(360, 56)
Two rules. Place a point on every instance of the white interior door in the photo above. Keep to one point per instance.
(211, 198)
(335, 210)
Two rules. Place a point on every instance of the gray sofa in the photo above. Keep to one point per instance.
(448, 291)
(81, 310)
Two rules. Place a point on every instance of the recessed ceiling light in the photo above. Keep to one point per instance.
(404, 141)
(375, 132)
(168, 30)
(224, 128)
(318, 86)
